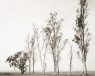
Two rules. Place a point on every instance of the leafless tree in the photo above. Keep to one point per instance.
(33, 45)
(41, 48)
(44, 59)
(54, 37)
(82, 36)
(71, 56)
(31, 50)
(28, 48)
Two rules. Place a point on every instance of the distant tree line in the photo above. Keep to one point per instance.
(51, 39)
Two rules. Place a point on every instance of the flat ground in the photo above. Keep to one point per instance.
(48, 74)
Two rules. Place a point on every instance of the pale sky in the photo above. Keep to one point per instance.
(18, 16)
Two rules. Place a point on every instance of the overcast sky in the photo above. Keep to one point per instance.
(18, 16)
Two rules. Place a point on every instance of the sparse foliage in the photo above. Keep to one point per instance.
(31, 49)
(41, 49)
(54, 37)
(28, 48)
(33, 39)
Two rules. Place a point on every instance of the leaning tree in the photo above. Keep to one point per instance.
(82, 36)
(54, 38)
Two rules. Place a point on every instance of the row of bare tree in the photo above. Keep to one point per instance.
(51, 39)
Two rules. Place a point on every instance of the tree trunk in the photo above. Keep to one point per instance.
(33, 67)
(71, 66)
(54, 67)
(44, 71)
(22, 71)
(44, 67)
(58, 68)
(84, 69)
(30, 65)
(33, 61)
(84, 66)
(44, 64)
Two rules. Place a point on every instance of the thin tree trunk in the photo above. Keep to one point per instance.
(44, 64)
(58, 70)
(30, 65)
(44, 71)
(33, 67)
(84, 65)
(85, 70)
(55, 66)
(33, 61)
(71, 56)
(58, 67)
(71, 66)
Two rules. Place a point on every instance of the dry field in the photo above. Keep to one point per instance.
(48, 74)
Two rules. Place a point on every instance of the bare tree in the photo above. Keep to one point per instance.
(44, 59)
(44, 56)
(28, 48)
(41, 49)
(82, 36)
(54, 37)
(71, 56)
(33, 39)
(31, 50)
